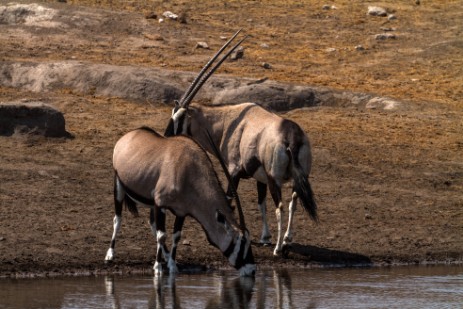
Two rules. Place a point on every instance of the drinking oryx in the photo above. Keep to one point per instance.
(176, 174)
(254, 143)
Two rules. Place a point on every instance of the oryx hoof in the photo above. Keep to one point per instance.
(157, 269)
(265, 241)
(172, 267)
(287, 240)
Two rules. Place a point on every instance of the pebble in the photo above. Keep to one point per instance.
(329, 7)
(376, 11)
(170, 15)
(237, 54)
(266, 65)
(392, 17)
(202, 45)
(330, 50)
(264, 45)
(359, 47)
(385, 36)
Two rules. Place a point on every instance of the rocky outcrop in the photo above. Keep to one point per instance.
(31, 118)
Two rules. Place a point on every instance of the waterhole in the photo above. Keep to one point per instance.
(399, 287)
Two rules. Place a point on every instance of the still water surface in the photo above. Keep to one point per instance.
(398, 287)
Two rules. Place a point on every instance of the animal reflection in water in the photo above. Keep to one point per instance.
(270, 289)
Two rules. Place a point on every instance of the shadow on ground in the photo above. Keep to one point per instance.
(328, 256)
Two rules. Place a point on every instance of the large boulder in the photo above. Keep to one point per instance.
(31, 118)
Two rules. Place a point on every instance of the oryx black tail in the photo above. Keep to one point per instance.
(129, 203)
(302, 186)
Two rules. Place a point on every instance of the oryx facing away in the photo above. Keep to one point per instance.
(176, 174)
(254, 143)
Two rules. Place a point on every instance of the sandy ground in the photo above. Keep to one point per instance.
(388, 183)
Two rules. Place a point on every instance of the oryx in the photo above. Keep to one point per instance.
(254, 143)
(176, 174)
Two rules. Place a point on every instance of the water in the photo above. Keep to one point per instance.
(399, 287)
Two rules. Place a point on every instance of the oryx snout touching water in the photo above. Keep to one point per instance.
(254, 143)
(176, 174)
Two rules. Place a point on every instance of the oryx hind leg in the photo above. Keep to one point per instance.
(119, 195)
(289, 231)
(261, 203)
(275, 191)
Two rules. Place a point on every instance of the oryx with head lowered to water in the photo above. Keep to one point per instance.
(176, 174)
(254, 143)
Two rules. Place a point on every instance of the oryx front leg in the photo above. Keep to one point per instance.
(261, 200)
(289, 231)
(178, 225)
(158, 227)
(119, 194)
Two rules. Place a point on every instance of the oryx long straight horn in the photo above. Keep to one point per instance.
(206, 67)
(209, 74)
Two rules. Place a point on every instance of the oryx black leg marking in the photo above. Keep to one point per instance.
(236, 181)
(275, 191)
(262, 204)
(158, 221)
(119, 195)
(178, 226)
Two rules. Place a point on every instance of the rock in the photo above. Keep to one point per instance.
(202, 45)
(391, 17)
(382, 103)
(264, 45)
(330, 50)
(237, 54)
(329, 7)
(266, 65)
(388, 29)
(376, 11)
(161, 85)
(170, 15)
(385, 36)
(31, 118)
